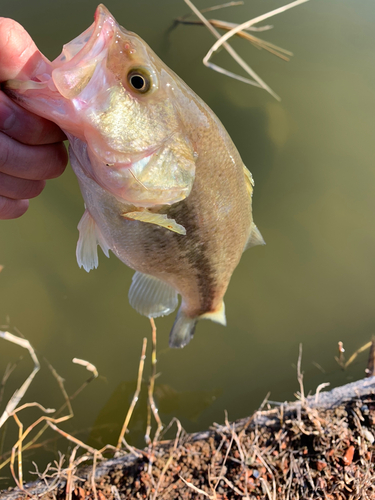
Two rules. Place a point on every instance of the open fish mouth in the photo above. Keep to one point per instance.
(87, 92)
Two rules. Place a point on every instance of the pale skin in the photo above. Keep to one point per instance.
(31, 148)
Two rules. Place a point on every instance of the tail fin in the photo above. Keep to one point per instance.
(182, 330)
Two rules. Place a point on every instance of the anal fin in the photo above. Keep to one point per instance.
(182, 330)
(152, 297)
(89, 239)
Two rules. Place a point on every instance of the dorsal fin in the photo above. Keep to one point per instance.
(89, 239)
(151, 297)
(255, 237)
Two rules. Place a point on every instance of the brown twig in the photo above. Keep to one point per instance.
(121, 438)
(151, 406)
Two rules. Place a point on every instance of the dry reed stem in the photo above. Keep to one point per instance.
(231, 51)
(67, 403)
(151, 406)
(171, 456)
(300, 375)
(370, 370)
(255, 41)
(93, 483)
(222, 6)
(70, 478)
(222, 41)
(71, 438)
(250, 23)
(7, 373)
(198, 490)
(121, 438)
(355, 354)
(19, 393)
(49, 421)
(89, 366)
(19, 480)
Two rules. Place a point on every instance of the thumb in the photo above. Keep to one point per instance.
(19, 56)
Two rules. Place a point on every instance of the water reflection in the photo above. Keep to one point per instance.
(187, 406)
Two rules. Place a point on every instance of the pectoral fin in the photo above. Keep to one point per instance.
(249, 181)
(89, 239)
(158, 219)
(255, 237)
(152, 297)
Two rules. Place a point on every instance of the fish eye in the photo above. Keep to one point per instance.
(140, 80)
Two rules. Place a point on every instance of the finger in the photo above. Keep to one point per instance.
(32, 162)
(18, 52)
(26, 127)
(11, 209)
(19, 189)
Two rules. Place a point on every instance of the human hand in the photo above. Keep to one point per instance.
(31, 148)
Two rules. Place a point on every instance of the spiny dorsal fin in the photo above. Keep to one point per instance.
(151, 297)
(158, 219)
(255, 237)
(89, 239)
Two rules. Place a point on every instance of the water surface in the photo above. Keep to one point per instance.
(312, 158)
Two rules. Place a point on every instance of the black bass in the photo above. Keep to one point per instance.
(164, 187)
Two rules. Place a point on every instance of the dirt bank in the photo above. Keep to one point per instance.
(322, 447)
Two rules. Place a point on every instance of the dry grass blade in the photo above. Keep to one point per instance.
(7, 373)
(222, 6)
(370, 370)
(136, 395)
(257, 42)
(198, 490)
(151, 401)
(319, 388)
(171, 456)
(71, 438)
(244, 26)
(250, 23)
(300, 375)
(355, 354)
(222, 42)
(341, 357)
(18, 395)
(89, 366)
(230, 50)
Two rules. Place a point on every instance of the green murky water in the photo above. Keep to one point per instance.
(312, 158)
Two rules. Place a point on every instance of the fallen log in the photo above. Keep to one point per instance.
(318, 447)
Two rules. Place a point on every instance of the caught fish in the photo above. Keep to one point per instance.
(164, 187)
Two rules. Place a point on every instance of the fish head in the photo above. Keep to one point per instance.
(109, 90)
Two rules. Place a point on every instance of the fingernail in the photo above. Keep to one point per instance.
(7, 117)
